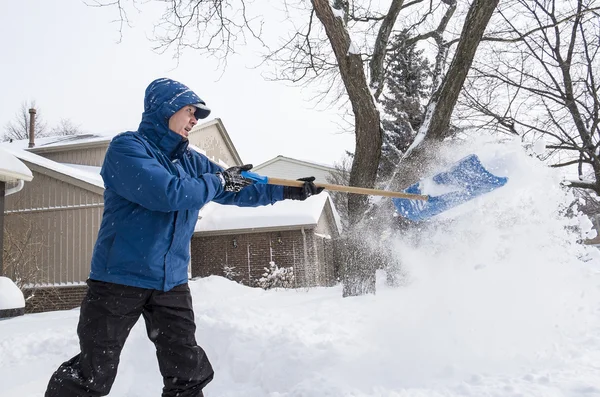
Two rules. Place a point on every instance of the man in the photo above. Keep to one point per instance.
(154, 188)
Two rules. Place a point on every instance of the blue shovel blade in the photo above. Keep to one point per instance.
(467, 179)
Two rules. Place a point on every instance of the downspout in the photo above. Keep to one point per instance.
(15, 189)
(305, 257)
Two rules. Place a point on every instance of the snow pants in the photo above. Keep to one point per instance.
(108, 313)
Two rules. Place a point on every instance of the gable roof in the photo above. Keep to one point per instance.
(82, 178)
(217, 218)
(324, 167)
(62, 142)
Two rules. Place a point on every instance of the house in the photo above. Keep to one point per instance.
(239, 243)
(289, 168)
(52, 224)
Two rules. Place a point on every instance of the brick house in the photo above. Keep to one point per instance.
(239, 243)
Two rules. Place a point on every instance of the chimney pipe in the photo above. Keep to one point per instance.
(31, 128)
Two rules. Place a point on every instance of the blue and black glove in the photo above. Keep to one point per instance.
(304, 192)
(232, 179)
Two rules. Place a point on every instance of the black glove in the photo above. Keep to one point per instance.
(304, 192)
(232, 179)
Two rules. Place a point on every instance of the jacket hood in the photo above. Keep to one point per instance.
(163, 98)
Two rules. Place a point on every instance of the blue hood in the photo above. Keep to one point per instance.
(163, 98)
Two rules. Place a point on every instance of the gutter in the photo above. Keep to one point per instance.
(15, 189)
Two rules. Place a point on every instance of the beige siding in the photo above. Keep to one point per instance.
(283, 168)
(93, 156)
(211, 141)
(52, 226)
(45, 192)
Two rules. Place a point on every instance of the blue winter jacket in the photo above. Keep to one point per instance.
(154, 188)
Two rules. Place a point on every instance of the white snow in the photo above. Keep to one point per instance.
(338, 13)
(539, 147)
(499, 300)
(79, 173)
(422, 130)
(11, 296)
(59, 141)
(13, 169)
(353, 49)
(219, 217)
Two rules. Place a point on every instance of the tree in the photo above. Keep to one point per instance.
(65, 127)
(352, 37)
(408, 82)
(19, 128)
(546, 65)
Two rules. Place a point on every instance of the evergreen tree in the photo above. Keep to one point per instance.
(408, 81)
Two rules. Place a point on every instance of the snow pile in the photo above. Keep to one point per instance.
(11, 296)
(498, 281)
(499, 301)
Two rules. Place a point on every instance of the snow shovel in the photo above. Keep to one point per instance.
(340, 188)
(464, 181)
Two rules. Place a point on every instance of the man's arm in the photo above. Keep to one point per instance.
(137, 176)
(250, 196)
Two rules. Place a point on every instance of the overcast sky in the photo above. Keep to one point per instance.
(66, 56)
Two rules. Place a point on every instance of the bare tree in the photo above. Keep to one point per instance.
(65, 127)
(22, 251)
(540, 80)
(19, 128)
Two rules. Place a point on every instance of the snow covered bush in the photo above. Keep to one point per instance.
(277, 277)
(229, 272)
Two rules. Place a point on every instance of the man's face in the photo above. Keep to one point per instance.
(183, 121)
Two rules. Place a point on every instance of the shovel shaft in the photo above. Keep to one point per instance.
(348, 189)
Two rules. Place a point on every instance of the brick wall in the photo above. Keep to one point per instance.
(53, 298)
(309, 255)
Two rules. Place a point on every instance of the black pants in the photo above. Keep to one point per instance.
(108, 313)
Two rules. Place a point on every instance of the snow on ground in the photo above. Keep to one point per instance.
(499, 301)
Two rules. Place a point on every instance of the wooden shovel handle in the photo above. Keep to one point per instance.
(349, 189)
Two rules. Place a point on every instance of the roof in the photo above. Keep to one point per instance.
(59, 142)
(324, 167)
(12, 169)
(216, 217)
(91, 180)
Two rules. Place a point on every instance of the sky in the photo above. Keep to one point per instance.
(67, 57)
(498, 299)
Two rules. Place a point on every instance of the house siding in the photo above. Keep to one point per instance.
(55, 224)
(209, 139)
(93, 156)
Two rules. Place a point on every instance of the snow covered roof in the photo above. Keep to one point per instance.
(84, 175)
(325, 167)
(12, 169)
(59, 141)
(288, 213)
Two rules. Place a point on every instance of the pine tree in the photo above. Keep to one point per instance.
(408, 81)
